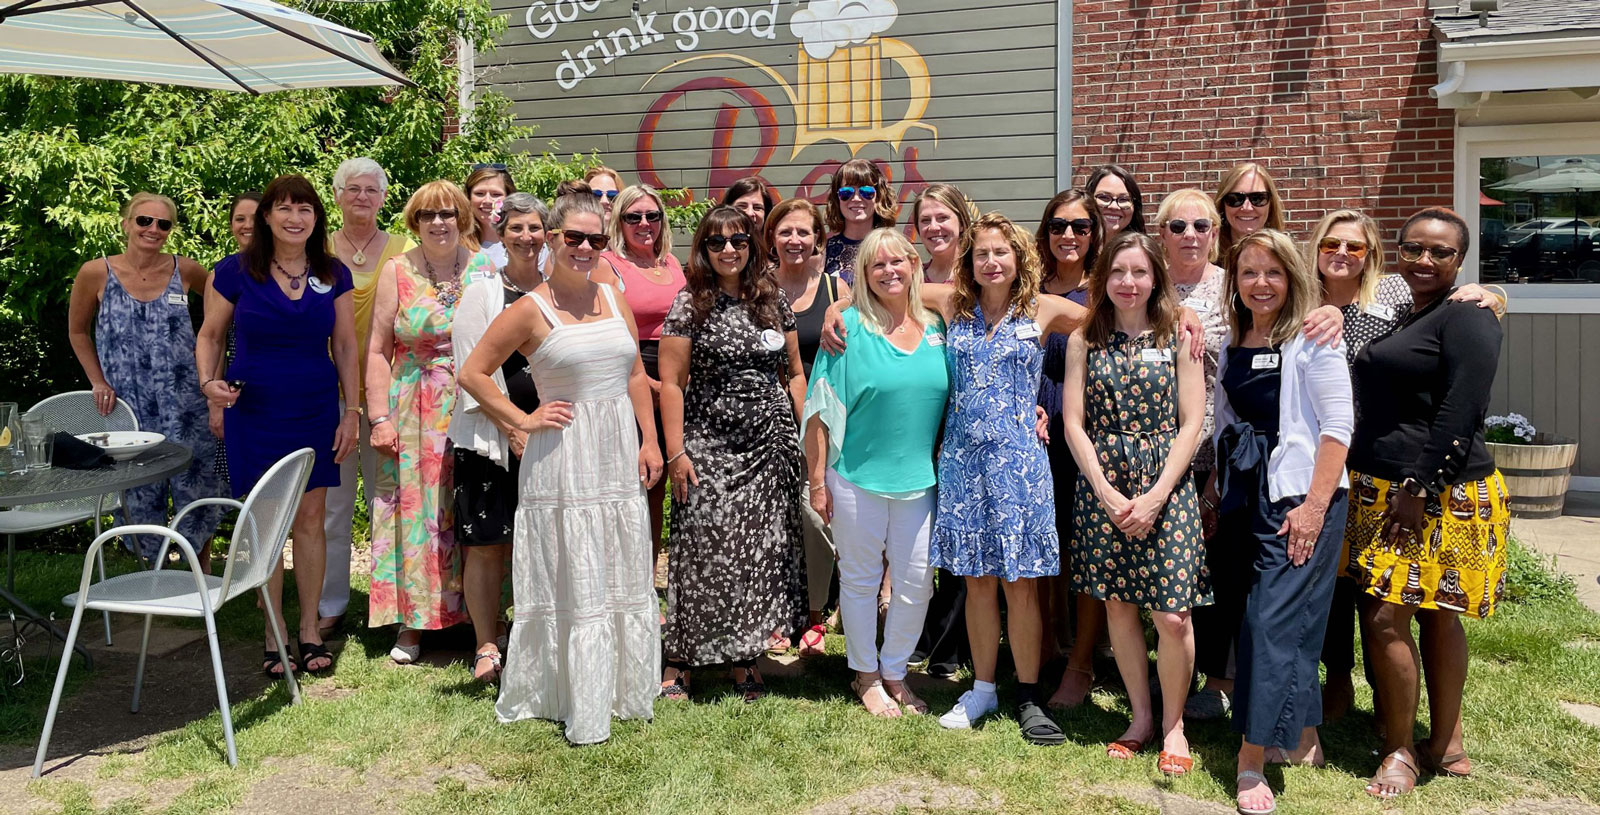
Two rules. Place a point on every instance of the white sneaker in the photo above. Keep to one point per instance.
(405, 654)
(971, 707)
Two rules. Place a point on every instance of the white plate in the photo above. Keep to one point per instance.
(122, 445)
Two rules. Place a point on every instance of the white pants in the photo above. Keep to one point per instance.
(865, 527)
(338, 517)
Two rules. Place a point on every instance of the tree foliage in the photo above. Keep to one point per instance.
(73, 151)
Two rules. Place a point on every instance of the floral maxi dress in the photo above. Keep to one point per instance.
(416, 566)
(1131, 414)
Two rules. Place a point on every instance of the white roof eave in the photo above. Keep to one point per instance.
(1470, 71)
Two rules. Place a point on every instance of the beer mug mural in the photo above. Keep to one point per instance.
(838, 93)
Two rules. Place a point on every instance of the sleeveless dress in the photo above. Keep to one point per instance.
(585, 640)
(1131, 414)
(146, 350)
(416, 567)
(737, 569)
(996, 512)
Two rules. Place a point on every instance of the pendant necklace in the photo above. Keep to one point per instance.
(449, 291)
(294, 279)
(360, 257)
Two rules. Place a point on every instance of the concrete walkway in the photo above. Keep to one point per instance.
(1574, 541)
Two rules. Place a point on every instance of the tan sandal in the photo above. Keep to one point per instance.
(901, 692)
(1448, 765)
(888, 708)
(1397, 772)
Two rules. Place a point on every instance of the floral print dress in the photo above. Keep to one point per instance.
(416, 566)
(996, 513)
(1131, 414)
(737, 569)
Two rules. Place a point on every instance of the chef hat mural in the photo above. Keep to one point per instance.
(826, 25)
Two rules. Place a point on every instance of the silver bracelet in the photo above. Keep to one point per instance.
(676, 455)
(377, 420)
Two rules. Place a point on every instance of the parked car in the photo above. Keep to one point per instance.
(1552, 257)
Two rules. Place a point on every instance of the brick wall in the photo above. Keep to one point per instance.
(1332, 97)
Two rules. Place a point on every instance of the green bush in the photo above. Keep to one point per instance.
(1532, 577)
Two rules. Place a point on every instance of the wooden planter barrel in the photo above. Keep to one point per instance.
(1536, 474)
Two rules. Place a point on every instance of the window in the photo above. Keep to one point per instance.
(1539, 219)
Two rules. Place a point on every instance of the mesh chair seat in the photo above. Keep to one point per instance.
(169, 592)
(39, 517)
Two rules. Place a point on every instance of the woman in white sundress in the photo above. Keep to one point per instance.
(585, 638)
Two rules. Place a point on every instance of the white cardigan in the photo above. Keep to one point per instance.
(1314, 400)
(482, 301)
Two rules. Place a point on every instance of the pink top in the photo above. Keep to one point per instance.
(649, 300)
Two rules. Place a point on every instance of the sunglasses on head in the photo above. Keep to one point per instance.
(635, 218)
(866, 191)
(575, 239)
(609, 195)
(1178, 226)
(163, 224)
(429, 215)
(1411, 252)
(740, 241)
(500, 167)
(1059, 226)
(1331, 245)
(1237, 199)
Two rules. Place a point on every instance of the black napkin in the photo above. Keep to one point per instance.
(74, 453)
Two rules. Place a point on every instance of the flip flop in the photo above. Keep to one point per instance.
(1244, 810)
(814, 642)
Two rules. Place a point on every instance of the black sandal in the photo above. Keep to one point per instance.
(1037, 726)
(270, 660)
(494, 662)
(751, 688)
(314, 650)
(676, 690)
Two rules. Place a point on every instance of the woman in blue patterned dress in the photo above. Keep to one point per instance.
(142, 351)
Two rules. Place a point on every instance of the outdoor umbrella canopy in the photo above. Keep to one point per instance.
(1574, 178)
(240, 45)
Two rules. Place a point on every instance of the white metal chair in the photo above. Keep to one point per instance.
(253, 555)
(71, 412)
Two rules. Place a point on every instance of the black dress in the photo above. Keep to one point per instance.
(485, 493)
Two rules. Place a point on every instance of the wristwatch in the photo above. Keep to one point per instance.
(1413, 487)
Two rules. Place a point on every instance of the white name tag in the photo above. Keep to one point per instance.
(1381, 311)
(1028, 330)
(177, 300)
(1155, 355)
(1263, 362)
(1199, 305)
(935, 340)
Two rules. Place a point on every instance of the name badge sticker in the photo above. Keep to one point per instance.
(1264, 362)
(934, 340)
(318, 286)
(174, 299)
(1155, 355)
(1200, 305)
(1381, 311)
(1028, 330)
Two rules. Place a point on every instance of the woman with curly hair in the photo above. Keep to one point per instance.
(731, 391)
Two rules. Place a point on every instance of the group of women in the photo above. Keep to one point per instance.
(1088, 421)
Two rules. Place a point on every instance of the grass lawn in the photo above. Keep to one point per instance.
(424, 739)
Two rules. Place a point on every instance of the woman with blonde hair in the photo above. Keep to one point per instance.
(1284, 417)
(411, 394)
(1134, 396)
(1248, 199)
(128, 323)
(860, 199)
(605, 184)
(943, 217)
(872, 422)
(487, 187)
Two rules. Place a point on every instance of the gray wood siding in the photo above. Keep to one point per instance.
(995, 119)
(1550, 372)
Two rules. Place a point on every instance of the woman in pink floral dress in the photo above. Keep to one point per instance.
(411, 391)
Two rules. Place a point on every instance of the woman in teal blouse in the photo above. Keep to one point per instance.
(872, 422)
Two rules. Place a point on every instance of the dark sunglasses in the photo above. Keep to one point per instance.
(606, 194)
(163, 224)
(501, 167)
(1178, 226)
(1059, 226)
(635, 218)
(1237, 199)
(1331, 245)
(575, 239)
(1411, 252)
(425, 216)
(866, 191)
(740, 241)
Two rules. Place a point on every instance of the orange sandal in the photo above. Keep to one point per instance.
(1124, 749)
(1174, 766)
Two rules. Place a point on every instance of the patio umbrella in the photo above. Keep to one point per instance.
(1574, 178)
(240, 45)
(1486, 201)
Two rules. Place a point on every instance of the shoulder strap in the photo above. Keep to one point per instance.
(833, 287)
(611, 299)
(549, 313)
